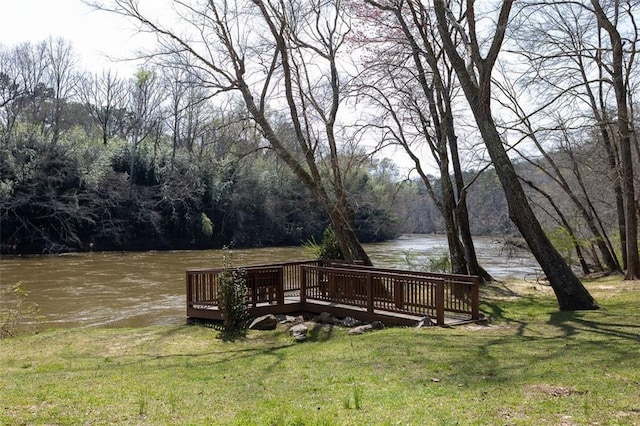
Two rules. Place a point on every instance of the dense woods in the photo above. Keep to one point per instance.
(71, 182)
(210, 145)
(99, 162)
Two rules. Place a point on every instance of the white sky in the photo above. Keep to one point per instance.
(96, 36)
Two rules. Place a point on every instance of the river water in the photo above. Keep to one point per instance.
(136, 289)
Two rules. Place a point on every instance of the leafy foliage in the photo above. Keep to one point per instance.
(15, 311)
(436, 263)
(328, 248)
(232, 298)
(440, 263)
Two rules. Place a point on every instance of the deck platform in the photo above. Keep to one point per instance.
(365, 293)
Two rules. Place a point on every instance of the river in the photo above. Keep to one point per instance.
(136, 289)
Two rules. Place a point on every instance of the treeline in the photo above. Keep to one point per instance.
(97, 162)
(100, 162)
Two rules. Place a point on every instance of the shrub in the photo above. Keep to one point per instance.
(435, 263)
(328, 248)
(440, 263)
(15, 311)
(232, 297)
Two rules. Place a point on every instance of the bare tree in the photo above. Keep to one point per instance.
(620, 63)
(288, 59)
(555, 126)
(62, 78)
(473, 66)
(144, 103)
(104, 96)
(25, 74)
(408, 77)
(10, 92)
(573, 68)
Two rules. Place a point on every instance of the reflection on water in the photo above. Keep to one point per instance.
(138, 289)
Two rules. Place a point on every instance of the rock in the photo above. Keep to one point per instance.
(265, 322)
(350, 322)
(326, 318)
(361, 329)
(288, 319)
(376, 325)
(426, 322)
(299, 332)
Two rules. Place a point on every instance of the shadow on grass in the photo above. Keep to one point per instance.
(573, 322)
(321, 332)
(498, 289)
(512, 312)
(225, 335)
(232, 335)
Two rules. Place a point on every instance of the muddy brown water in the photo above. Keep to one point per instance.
(148, 288)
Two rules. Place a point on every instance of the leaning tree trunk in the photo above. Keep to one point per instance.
(569, 291)
(347, 238)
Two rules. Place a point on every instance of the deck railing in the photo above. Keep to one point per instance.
(396, 292)
(461, 292)
(372, 290)
(265, 283)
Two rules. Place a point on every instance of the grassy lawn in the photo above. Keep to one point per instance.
(530, 366)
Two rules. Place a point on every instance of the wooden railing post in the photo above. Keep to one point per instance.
(251, 286)
(398, 292)
(440, 302)
(280, 288)
(303, 285)
(369, 293)
(188, 281)
(475, 299)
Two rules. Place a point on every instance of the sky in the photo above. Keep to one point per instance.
(100, 39)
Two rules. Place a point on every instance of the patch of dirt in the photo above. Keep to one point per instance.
(632, 416)
(550, 390)
(514, 289)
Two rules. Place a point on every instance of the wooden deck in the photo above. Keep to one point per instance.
(365, 293)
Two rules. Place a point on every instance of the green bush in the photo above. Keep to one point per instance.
(565, 244)
(440, 263)
(232, 298)
(436, 263)
(16, 313)
(328, 248)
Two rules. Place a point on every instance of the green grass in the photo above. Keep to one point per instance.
(530, 366)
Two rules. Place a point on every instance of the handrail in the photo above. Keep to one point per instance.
(376, 291)
(459, 287)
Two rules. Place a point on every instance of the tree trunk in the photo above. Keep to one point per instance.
(345, 234)
(624, 134)
(569, 291)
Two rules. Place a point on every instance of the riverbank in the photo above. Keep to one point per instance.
(529, 365)
(148, 288)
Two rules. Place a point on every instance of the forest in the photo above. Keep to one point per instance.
(196, 177)
(232, 136)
